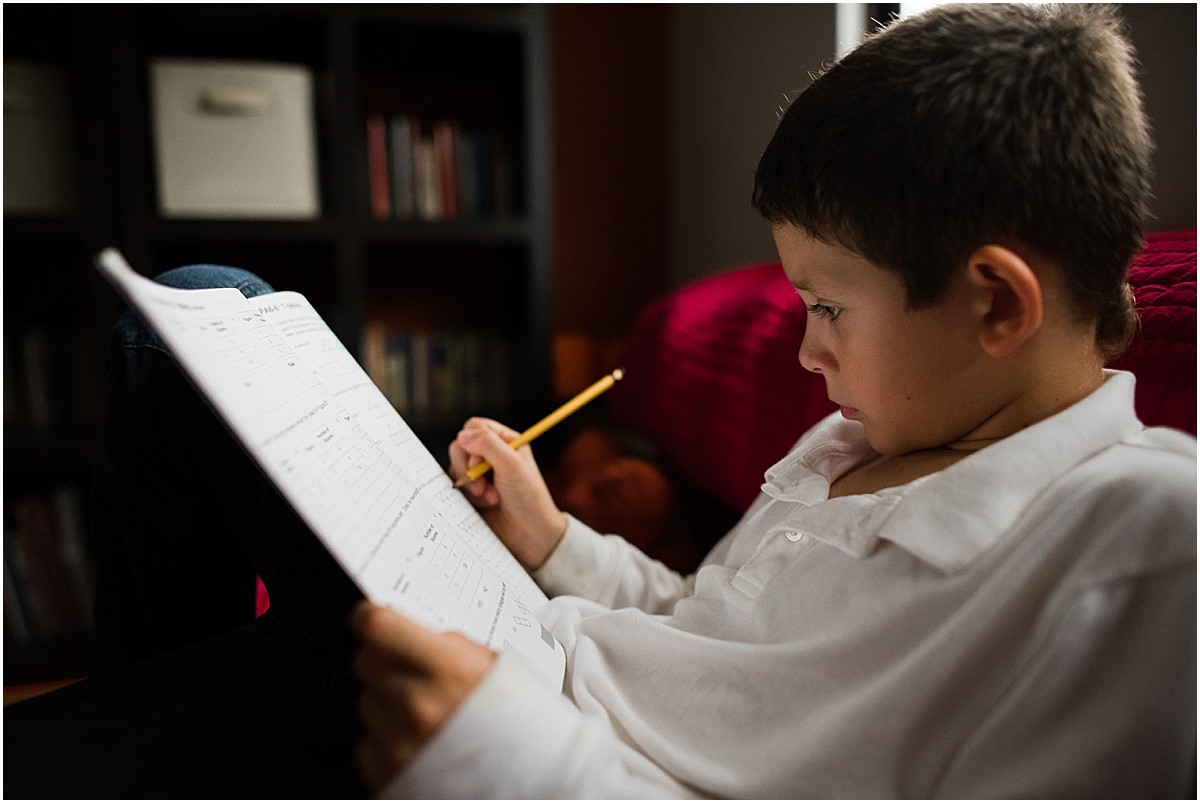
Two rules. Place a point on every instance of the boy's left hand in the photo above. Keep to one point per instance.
(413, 680)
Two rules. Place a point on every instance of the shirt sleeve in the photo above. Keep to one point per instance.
(609, 570)
(550, 750)
(1105, 709)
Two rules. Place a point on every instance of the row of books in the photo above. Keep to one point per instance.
(437, 375)
(437, 171)
(50, 383)
(48, 576)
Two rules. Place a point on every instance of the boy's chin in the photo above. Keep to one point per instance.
(890, 444)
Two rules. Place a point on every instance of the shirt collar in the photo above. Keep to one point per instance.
(999, 481)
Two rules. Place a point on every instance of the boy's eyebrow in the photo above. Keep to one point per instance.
(805, 286)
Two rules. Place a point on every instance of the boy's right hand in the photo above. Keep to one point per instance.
(513, 499)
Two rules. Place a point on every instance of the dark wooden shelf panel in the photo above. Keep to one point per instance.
(327, 230)
(54, 452)
(242, 230)
(66, 658)
(500, 230)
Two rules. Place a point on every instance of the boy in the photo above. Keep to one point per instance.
(976, 579)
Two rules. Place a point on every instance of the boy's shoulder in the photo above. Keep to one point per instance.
(1164, 439)
(1159, 460)
(1135, 506)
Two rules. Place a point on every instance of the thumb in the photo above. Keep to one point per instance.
(400, 638)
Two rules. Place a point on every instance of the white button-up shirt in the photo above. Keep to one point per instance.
(1021, 623)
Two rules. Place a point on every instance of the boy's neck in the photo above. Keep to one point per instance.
(1054, 382)
(1056, 373)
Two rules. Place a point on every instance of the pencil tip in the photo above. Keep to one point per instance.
(618, 374)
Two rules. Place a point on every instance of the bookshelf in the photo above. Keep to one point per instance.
(477, 274)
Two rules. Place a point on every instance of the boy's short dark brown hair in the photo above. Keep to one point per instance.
(971, 124)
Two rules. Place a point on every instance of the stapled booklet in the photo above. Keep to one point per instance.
(351, 467)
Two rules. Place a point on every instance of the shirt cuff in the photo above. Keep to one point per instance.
(544, 737)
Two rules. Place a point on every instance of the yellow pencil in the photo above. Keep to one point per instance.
(478, 470)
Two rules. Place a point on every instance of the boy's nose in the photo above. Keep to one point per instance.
(813, 356)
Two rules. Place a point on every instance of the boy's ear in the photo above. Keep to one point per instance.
(1008, 298)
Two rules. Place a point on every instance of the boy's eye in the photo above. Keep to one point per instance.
(824, 311)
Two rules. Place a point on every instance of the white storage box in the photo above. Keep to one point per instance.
(234, 139)
(39, 163)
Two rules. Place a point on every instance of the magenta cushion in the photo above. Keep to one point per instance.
(713, 375)
(1163, 357)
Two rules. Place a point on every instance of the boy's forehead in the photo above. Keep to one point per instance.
(812, 264)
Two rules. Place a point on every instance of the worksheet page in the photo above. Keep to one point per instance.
(349, 464)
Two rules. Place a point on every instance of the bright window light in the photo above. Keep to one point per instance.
(908, 9)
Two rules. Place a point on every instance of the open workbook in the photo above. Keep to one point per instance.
(340, 454)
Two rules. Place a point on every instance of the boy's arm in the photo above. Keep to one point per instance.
(1106, 709)
(446, 718)
(609, 570)
(564, 555)
(1105, 704)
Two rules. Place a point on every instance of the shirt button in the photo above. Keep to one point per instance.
(793, 536)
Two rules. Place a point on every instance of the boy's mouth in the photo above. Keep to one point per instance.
(850, 413)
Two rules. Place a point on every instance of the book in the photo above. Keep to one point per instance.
(377, 167)
(68, 516)
(428, 187)
(48, 575)
(51, 600)
(400, 154)
(447, 167)
(437, 375)
(349, 465)
(20, 617)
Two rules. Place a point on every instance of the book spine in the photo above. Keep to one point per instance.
(374, 352)
(447, 171)
(464, 165)
(401, 152)
(67, 507)
(377, 167)
(19, 615)
(437, 374)
(38, 565)
(39, 401)
(502, 179)
(399, 372)
(48, 574)
(429, 199)
(484, 173)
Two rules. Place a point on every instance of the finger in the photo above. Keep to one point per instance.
(462, 459)
(396, 636)
(378, 764)
(493, 447)
(507, 433)
(404, 710)
(385, 709)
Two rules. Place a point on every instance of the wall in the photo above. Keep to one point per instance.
(608, 101)
(731, 64)
(1164, 35)
(730, 68)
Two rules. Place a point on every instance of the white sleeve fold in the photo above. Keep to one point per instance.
(515, 738)
(609, 570)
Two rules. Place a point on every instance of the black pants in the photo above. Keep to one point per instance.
(194, 697)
